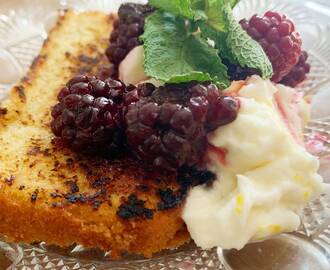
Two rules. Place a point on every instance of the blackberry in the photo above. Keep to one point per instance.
(238, 73)
(298, 73)
(168, 125)
(277, 36)
(88, 115)
(126, 31)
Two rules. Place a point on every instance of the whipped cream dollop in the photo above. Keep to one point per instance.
(264, 174)
(131, 70)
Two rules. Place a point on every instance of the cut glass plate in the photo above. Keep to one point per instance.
(25, 25)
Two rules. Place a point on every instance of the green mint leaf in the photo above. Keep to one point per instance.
(242, 48)
(179, 7)
(219, 38)
(173, 55)
(215, 14)
(210, 11)
(214, 10)
(236, 45)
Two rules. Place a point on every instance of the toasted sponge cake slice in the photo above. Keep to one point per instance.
(48, 193)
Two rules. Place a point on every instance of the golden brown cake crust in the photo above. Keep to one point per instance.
(48, 193)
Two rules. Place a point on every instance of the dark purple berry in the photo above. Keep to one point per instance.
(134, 30)
(89, 113)
(126, 31)
(168, 125)
(223, 111)
(277, 36)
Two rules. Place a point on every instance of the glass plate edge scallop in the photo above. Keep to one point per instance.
(18, 51)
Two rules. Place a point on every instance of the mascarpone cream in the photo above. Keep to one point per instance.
(264, 174)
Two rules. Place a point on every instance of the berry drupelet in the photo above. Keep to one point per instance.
(277, 36)
(168, 125)
(298, 73)
(126, 31)
(88, 115)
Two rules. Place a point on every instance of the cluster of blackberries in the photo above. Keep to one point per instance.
(166, 125)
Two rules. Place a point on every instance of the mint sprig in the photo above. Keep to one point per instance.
(176, 43)
(175, 55)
